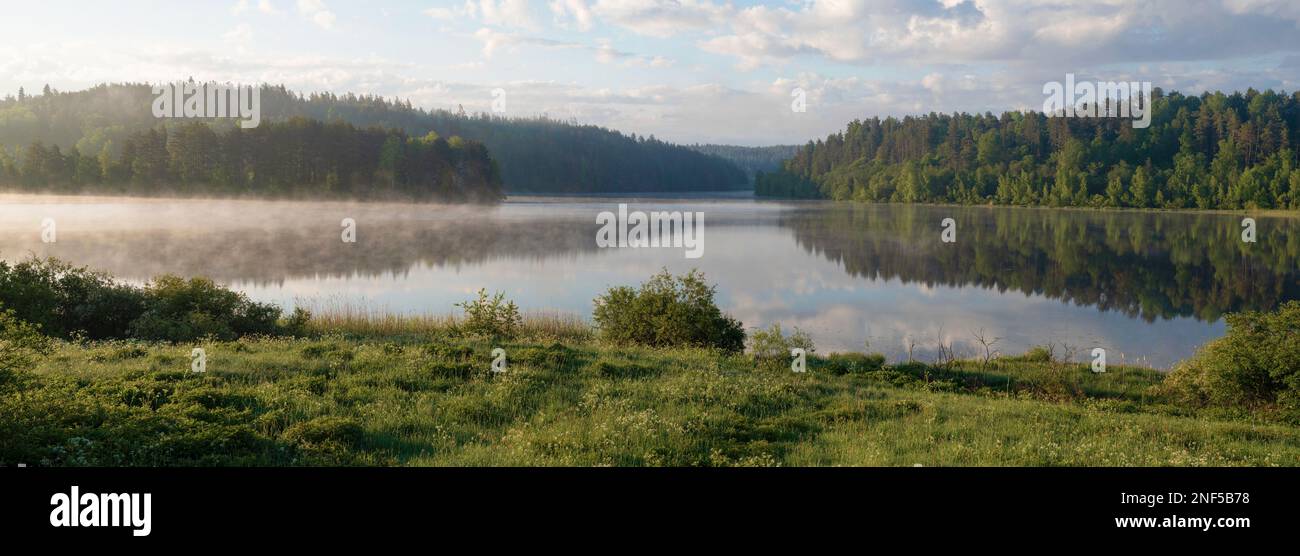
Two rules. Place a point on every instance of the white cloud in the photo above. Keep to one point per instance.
(266, 7)
(607, 54)
(857, 32)
(577, 10)
(444, 14)
(495, 40)
(933, 82)
(661, 18)
(316, 12)
(503, 13)
(603, 51)
(1047, 33)
(1287, 9)
(660, 62)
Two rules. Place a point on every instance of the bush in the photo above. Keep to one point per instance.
(1036, 354)
(73, 302)
(667, 311)
(296, 323)
(67, 301)
(178, 310)
(773, 345)
(20, 344)
(493, 316)
(1256, 363)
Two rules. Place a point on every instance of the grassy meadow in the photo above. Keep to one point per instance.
(365, 388)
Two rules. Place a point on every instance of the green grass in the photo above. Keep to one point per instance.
(411, 392)
(361, 321)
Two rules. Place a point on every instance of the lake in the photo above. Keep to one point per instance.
(1147, 287)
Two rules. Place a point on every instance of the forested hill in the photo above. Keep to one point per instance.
(750, 159)
(294, 158)
(1215, 150)
(536, 155)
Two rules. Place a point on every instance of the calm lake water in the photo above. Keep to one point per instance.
(1148, 287)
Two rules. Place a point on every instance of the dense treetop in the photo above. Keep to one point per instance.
(298, 157)
(1215, 150)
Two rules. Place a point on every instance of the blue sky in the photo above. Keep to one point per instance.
(683, 70)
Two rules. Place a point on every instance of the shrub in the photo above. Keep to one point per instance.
(1036, 354)
(20, 344)
(772, 345)
(296, 323)
(493, 316)
(71, 302)
(178, 310)
(667, 311)
(67, 301)
(1257, 362)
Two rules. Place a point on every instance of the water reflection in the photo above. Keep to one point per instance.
(1149, 287)
(1148, 265)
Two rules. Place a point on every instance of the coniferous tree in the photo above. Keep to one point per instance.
(1195, 153)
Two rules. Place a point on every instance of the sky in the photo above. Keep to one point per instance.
(682, 70)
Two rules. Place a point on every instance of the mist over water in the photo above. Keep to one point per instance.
(1148, 287)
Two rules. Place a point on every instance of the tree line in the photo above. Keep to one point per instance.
(1213, 151)
(298, 157)
(535, 154)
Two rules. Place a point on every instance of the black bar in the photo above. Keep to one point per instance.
(235, 506)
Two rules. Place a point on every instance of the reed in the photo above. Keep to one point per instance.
(363, 320)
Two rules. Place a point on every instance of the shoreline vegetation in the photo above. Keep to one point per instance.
(292, 159)
(657, 378)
